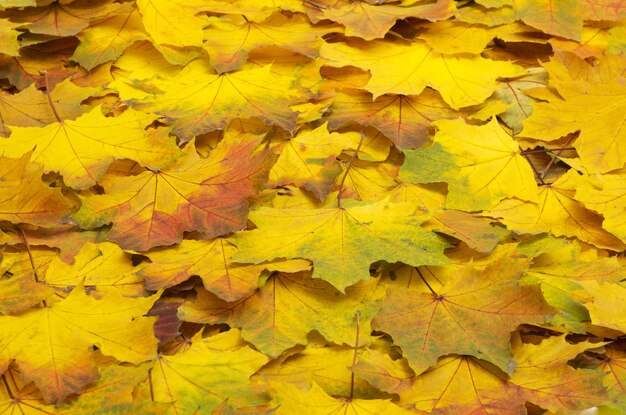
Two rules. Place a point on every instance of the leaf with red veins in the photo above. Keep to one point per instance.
(473, 313)
(207, 195)
(404, 119)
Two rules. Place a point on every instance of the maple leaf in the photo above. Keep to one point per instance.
(477, 233)
(324, 250)
(607, 307)
(479, 172)
(83, 149)
(606, 10)
(167, 326)
(378, 368)
(17, 3)
(209, 371)
(557, 212)
(228, 39)
(613, 363)
(254, 10)
(451, 319)
(104, 267)
(404, 119)
(173, 22)
(8, 38)
(52, 345)
(315, 401)
(605, 194)
(25, 198)
(602, 140)
(488, 14)
(156, 207)
(448, 74)
(62, 18)
(113, 393)
(509, 101)
(369, 181)
(309, 160)
(330, 367)
(341, 242)
(371, 21)
(556, 17)
(106, 40)
(541, 372)
(211, 261)
(19, 263)
(22, 292)
(452, 37)
(197, 102)
(562, 270)
(36, 64)
(66, 238)
(266, 317)
(31, 107)
(460, 384)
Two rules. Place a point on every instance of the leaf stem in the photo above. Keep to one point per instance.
(553, 158)
(54, 110)
(31, 259)
(426, 282)
(532, 166)
(357, 315)
(345, 174)
(151, 387)
(6, 385)
(546, 150)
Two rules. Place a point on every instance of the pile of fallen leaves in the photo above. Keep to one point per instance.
(312, 206)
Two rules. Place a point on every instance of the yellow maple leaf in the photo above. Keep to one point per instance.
(25, 198)
(372, 21)
(8, 37)
(266, 317)
(63, 19)
(255, 10)
(451, 36)
(228, 39)
(309, 160)
(602, 141)
(460, 384)
(82, 150)
(211, 261)
(21, 292)
(290, 400)
(558, 212)
(606, 194)
(198, 101)
(341, 242)
(52, 345)
(107, 40)
(607, 307)
(173, 22)
(103, 267)
(329, 367)
(208, 372)
(31, 108)
(461, 80)
(365, 180)
(481, 164)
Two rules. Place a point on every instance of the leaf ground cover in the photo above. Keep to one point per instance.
(315, 206)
